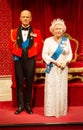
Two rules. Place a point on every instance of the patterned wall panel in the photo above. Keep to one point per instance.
(9, 17)
(5, 26)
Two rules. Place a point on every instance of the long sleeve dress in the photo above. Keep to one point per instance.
(56, 82)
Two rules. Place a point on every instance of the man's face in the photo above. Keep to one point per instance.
(25, 18)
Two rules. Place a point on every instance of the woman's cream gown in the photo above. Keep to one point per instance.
(56, 82)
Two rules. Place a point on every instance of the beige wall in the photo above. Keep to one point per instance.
(5, 88)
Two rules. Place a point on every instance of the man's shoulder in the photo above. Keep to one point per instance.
(14, 30)
(13, 34)
(36, 30)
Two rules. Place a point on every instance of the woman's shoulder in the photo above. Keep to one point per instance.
(49, 38)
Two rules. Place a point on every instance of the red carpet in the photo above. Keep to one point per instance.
(7, 116)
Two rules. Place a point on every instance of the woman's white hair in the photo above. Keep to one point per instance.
(55, 22)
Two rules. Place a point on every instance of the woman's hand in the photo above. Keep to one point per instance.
(61, 65)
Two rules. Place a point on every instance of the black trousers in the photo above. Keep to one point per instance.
(24, 72)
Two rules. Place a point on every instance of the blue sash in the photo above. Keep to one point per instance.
(25, 44)
(56, 54)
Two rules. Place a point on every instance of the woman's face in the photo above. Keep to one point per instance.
(58, 30)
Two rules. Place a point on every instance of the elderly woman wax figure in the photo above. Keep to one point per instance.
(57, 54)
